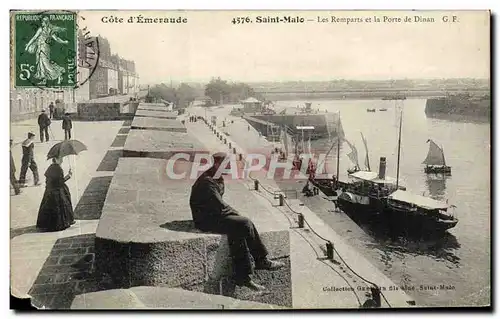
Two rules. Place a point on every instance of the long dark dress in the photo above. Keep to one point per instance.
(56, 210)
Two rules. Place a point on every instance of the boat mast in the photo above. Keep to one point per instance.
(338, 146)
(442, 152)
(399, 148)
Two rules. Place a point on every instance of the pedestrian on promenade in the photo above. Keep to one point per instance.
(28, 160)
(51, 110)
(211, 214)
(44, 123)
(56, 210)
(13, 180)
(67, 125)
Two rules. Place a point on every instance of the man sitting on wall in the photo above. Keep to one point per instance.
(212, 214)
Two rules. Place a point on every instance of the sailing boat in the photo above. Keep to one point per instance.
(353, 156)
(435, 162)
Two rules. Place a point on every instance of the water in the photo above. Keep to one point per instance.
(461, 258)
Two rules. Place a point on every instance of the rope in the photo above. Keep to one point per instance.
(314, 232)
(330, 266)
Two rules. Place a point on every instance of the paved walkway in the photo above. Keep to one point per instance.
(35, 256)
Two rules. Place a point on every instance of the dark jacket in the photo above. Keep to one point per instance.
(67, 124)
(28, 150)
(43, 120)
(207, 205)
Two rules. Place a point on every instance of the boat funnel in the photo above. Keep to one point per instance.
(381, 168)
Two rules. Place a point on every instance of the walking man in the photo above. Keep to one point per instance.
(212, 214)
(28, 160)
(13, 180)
(44, 123)
(67, 125)
(51, 110)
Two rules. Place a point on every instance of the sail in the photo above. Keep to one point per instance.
(309, 149)
(435, 155)
(367, 158)
(353, 155)
(333, 126)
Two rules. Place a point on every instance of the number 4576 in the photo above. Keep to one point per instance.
(26, 70)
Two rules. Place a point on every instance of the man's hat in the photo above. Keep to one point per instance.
(43, 110)
(219, 157)
(30, 134)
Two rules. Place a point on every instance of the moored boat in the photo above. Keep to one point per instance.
(371, 196)
(382, 110)
(417, 212)
(370, 110)
(374, 196)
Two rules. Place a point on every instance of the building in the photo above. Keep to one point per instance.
(251, 105)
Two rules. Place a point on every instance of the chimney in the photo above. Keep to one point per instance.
(381, 168)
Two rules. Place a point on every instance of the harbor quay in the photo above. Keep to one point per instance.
(134, 245)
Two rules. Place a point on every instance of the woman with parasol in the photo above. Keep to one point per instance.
(56, 210)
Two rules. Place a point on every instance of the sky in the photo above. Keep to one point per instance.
(209, 45)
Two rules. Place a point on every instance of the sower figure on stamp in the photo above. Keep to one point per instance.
(67, 125)
(212, 214)
(28, 160)
(13, 180)
(44, 123)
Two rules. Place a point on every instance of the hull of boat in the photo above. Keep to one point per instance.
(396, 220)
(438, 170)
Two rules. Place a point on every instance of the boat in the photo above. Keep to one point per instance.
(370, 110)
(414, 211)
(382, 110)
(374, 196)
(435, 162)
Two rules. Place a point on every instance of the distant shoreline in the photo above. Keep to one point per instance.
(367, 95)
(466, 118)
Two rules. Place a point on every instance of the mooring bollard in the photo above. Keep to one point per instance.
(229, 145)
(281, 199)
(256, 185)
(301, 221)
(225, 141)
(376, 296)
(329, 250)
(240, 157)
(234, 150)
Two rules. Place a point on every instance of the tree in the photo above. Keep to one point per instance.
(218, 89)
(181, 96)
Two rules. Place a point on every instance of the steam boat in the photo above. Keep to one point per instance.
(372, 196)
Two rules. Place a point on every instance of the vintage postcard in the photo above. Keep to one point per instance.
(250, 159)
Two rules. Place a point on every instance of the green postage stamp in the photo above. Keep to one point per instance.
(45, 49)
